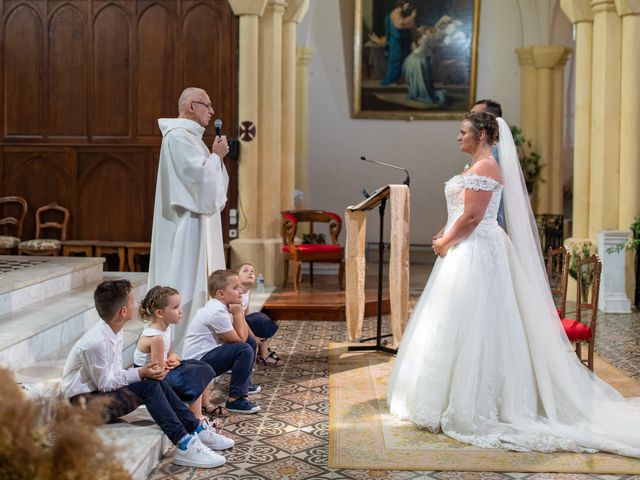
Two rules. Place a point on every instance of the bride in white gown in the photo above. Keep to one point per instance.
(484, 358)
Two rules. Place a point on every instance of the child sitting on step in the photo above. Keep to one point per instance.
(93, 376)
(262, 327)
(190, 379)
(218, 335)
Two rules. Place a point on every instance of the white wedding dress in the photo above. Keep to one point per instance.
(484, 358)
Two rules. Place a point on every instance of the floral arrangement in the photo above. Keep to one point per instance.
(314, 238)
(47, 439)
(579, 249)
(529, 160)
(633, 242)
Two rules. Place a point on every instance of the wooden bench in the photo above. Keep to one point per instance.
(136, 248)
(78, 246)
(126, 251)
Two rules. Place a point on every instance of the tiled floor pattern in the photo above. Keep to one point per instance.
(289, 438)
(13, 265)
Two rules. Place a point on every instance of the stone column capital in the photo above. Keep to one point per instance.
(248, 7)
(549, 56)
(304, 55)
(296, 10)
(628, 7)
(577, 10)
(525, 56)
(603, 6)
(276, 7)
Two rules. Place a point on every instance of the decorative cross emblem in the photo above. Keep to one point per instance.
(247, 131)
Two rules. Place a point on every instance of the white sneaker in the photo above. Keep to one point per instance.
(197, 455)
(214, 440)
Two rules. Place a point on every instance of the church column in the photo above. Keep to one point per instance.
(579, 13)
(304, 56)
(296, 10)
(270, 140)
(556, 170)
(605, 118)
(528, 93)
(629, 195)
(248, 247)
(545, 59)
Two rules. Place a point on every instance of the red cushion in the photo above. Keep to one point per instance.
(335, 216)
(576, 331)
(288, 216)
(315, 248)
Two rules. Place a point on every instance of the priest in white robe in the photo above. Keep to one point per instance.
(191, 191)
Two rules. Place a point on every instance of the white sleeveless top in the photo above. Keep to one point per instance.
(141, 358)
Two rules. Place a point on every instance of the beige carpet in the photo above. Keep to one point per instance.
(364, 436)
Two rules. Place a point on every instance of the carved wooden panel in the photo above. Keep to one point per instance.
(23, 64)
(111, 65)
(116, 179)
(82, 85)
(157, 84)
(67, 107)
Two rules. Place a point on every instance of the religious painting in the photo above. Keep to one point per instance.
(415, 59)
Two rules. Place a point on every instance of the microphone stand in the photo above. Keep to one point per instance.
(379, 346)
(395, 167)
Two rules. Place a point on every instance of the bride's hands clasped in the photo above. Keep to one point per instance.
(440, 248)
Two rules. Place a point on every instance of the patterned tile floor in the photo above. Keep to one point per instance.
(13, 265)
(289, 438)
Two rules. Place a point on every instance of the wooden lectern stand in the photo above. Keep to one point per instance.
(398, 265)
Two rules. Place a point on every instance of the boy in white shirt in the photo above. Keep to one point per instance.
(260, 325)
(94, 372)
(218, 334)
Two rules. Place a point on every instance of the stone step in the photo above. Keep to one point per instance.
(138, 442)
(28, 280)
(35, 332)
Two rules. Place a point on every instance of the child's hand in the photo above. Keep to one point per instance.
(235, 309)
(173, 360)
(153, 371)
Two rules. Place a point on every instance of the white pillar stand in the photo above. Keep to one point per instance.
(613, 298)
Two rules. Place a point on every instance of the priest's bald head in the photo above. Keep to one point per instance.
(194, 104)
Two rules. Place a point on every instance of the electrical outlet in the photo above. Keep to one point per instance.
(233, 233)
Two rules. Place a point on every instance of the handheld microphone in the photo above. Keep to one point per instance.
(406, 180)
(218, 125)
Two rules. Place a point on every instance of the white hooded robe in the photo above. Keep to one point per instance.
(186, 243)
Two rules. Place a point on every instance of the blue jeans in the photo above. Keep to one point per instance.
(169, 412)
(261, 325)
(237, 357)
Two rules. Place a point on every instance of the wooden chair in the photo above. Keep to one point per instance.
(310, 252)
(14, 210)
(558, 260)
(583, 328)
(42, 245)
(550, 230)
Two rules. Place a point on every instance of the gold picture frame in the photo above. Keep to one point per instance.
(437, 71)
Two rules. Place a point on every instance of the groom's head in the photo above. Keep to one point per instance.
(489, 106)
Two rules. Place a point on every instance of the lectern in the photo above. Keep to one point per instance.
(398, 197)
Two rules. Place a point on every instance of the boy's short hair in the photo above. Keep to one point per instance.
(218, 280)
(111, 296)
(244, 264)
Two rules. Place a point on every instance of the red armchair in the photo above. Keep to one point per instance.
(310, 252)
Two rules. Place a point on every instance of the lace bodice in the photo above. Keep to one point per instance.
(454, 192)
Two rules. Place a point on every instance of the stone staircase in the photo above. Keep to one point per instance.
(46, 304)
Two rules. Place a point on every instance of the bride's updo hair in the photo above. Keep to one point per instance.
(483, 122)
